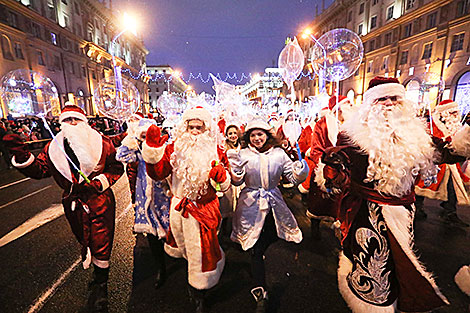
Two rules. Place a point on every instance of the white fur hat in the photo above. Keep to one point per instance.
(258, 124)
(197, 113)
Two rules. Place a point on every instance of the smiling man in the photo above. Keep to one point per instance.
(197, 166)
(89, 207)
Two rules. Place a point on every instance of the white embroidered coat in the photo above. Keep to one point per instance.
(261, 175)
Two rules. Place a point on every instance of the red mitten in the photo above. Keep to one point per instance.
(17, 147)
(218, 173)
(154, 139)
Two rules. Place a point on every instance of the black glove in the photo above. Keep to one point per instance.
(17, 147)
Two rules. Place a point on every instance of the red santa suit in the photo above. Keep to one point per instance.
(193, 223)
(90, 214)
(438, 190)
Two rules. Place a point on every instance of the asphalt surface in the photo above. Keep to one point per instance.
(40, 270)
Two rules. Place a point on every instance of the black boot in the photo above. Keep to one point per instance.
(198, 297)
(261, 297)
(315, 228)
(98, 290)
(156, 246)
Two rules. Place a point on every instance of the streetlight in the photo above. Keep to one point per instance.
(308, 33)
(129, 25)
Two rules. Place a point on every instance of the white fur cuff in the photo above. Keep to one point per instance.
(462, 279)
(152, 155)
(460, 144)
(104, 182)
(25, 164)
(302, 189)
(237, 178)
(319, 179)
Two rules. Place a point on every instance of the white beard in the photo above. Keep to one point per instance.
(191, 161)
(449, 125)
(398, 145)
(80, 140)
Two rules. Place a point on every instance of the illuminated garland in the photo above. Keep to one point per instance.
(168, 78)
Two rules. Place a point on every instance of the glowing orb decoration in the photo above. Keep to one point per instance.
(171, 106)
(291, 61)
(425, 88)
(29, 93)
(119, 106)
(337, 54)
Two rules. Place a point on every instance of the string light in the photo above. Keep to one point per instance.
(206, 79)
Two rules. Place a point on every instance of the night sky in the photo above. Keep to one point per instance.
(218, 36)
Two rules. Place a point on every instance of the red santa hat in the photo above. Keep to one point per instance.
(138, 116)
(72, 111)
(323, 112)
(289, 112)
(446, 105)
(382, 87)
(221, 123)
(197, 113)
(332, 101)
(149, 115)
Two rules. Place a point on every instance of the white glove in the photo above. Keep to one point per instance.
(299, 167)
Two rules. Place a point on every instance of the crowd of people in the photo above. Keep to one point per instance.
(358, 166)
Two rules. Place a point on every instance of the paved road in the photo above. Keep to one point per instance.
(40, 270)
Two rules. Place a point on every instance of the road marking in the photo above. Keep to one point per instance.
(14, 183)
(24, 197)
(39, 303)
(44, 217)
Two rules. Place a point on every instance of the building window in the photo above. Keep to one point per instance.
(407, 32)
(12, 19)
(385, 63)
(404, 57)
(54, 39)
(372, 45)
(388, 39)
(359, 29)
(36, 30)
(410, 4)
(40, 55)
(427, 51)
(461, 8)
(369, 66)
(71, 67)
(374, 2)
(350, 16)
(431, 20)
(50, 11)
(361, 8)
(18, 51)
(6, 48)
(66, 21)
(77, 8)
(373, 22)
(389, 12)
(83, 71)
(457, 42)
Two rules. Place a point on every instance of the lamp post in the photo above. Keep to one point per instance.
(321, 79)
(129, 25)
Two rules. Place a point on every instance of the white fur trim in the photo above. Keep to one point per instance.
(25, 164)
(332, 126)
(440, 193)
(444, 107)
(223, 186)
(74, 114)
(87, 262)
(197, 114)
(462, 279)
(100, 263)
(339, 104)
(302, 189)
(319, 179)
(379, 91)
(152, 155)
(400, 223)
(355, 304)
(460, 144)
(104, 182)
(307, 154)
(130, 142)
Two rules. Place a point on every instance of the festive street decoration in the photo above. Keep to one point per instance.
(29, 93)
(291, 61)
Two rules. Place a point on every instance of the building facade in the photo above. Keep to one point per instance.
(70, 42)
(262, 87)
(163, 78)
(402, 39)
